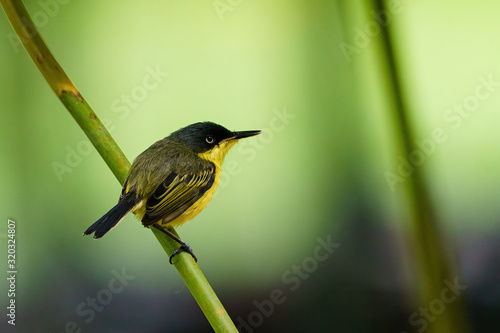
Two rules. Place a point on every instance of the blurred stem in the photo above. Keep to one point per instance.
(110, 153)
(433, 267)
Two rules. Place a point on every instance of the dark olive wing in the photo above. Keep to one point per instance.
(176, 194)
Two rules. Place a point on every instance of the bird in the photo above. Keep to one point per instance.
(173, 180)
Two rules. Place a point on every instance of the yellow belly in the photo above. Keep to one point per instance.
(198, 206)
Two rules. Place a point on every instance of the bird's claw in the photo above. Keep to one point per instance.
(183, 248)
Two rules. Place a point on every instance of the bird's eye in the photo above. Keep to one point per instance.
(209, 139)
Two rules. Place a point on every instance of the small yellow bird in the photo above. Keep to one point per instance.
(173, 180)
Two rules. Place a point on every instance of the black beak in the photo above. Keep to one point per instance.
(244, 134)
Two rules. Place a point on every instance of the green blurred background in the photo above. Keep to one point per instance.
(317, 173)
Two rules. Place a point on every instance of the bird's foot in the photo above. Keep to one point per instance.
(183, 248)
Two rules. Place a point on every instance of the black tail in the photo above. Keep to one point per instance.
(111, 218)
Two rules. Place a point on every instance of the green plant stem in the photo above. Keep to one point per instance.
(97, 134)
(432, 265)
(196, 282)
(110, 153)
(65, 90)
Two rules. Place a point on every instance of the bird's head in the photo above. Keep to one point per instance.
(209, 140)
